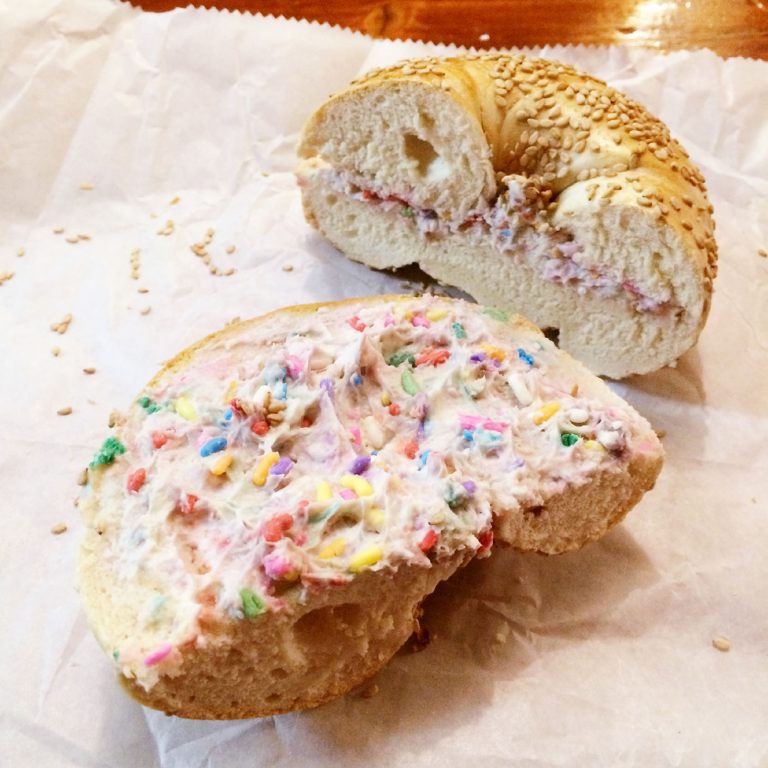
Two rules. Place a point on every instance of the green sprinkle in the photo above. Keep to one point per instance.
(568, 439)
(458, 329)
(496, 314)
(110, 450)
(407, 212)
(324, 514)
(115, 655)
(401, 357)
(453, 498)
(409, 383)
(253, 605)
(149, 405)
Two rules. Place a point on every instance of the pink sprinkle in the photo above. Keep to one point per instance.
(495, 426)
(347, 493)
(388, 320)
(469, 420)
(356, 323)
(420, 320)
(158, 655)
(276, 566)
(294, 366)
(355, 432)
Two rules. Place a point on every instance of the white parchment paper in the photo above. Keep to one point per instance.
(602, 657)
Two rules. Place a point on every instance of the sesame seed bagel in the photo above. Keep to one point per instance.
(531, 186)
(266, 519)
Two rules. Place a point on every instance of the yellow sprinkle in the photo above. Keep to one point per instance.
(436, 314)
(231, 389)
(263, 467)
(385, 399)
(408, 315)
(223, 463)
(324, 492)
(368, 555)
(495, 352)
(547, 411)
(185, 409)
(334, 549)
(375, 518)
(358, 484)
(593, 445)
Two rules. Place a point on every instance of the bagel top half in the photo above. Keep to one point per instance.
(532, 186)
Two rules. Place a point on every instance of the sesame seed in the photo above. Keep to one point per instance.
(175, 201)
(86, 186)
(230, 249)
(82, 477)
(142, 290)
(287, 267)
(371, 691)
(72, 239)
(145, 310)
(61, 327)
(58, 230)
(6, 276)
(65, 411)
(722, 643)
(58, 529)
(21, 251)
(89, 370)
(55, 351)
(763, 253)
(83, 237)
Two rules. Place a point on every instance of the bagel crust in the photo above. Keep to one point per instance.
(535, 188)
(262, 527)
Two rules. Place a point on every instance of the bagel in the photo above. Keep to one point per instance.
(531, 186)
(264, 523)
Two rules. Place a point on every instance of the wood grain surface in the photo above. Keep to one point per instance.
(728, 27)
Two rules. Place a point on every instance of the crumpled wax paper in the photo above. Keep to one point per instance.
(602, 657)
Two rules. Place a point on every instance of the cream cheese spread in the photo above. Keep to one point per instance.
(294, 453)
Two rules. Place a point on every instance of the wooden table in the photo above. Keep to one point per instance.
(728, 27)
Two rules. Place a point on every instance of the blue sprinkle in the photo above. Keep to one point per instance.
(282, 391)
(357, 380)
(524, 356)
(213, 446)
(228, 414)
(506, 232)
(423, 458)
(469, 435)
(478, 358)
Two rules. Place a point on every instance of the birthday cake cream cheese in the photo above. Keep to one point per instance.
(283, 460)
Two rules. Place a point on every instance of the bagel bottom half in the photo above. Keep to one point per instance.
(268, 515)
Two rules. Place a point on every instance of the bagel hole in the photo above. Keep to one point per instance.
(427, 161)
